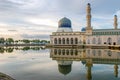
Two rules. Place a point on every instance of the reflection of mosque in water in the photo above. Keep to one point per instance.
(65, 58)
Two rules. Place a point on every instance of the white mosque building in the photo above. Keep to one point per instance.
(89, 36)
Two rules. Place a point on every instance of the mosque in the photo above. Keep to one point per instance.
(65, 36)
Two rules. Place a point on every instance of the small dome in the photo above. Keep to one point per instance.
(83, 29)
(64, 22)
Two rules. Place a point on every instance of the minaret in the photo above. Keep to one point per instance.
(88, 18)
(115, 22)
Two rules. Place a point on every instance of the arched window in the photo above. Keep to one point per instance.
(55, 41)
(63, 40)
(109, 41)
(94, 41)
(71, 40)
(59, 41)
(88, 41)
(76, 41)
(119, 40)
(67, 40)
(99, 40)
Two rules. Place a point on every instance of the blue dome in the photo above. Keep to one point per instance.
(83, 29)
(64, 22)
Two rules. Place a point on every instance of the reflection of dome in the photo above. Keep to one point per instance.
(64, 69)
(83, 29)
(83, 62)
(64, 22)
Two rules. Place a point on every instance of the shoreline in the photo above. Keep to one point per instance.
(67, 46)
(5, 45)
(85, 46)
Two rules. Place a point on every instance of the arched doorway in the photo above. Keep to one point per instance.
(119, 41)
(76, 41)
(67, 40)
(71, 40)
(59, 40)
(109, 41)
(63, 40)
(55, 41)
(99, 40)
(94, 41)
(88, 41)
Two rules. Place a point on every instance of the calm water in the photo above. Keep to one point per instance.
(60, 64)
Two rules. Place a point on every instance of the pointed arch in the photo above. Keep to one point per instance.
(59, 40)
(76, 40)
(55, 41)
(99, 41)
(63, 40)
(119, 41)
(94, 41)
(71, 40)
(109, 41)
(67, 40)
(88, 41)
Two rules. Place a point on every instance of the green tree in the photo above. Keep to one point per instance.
(9, 40)
(36, 41)
(26, 41)
(2, 40)
(16, 41)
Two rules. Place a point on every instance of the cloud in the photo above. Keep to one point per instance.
(38, 21)
(34, 16)
(35, 36)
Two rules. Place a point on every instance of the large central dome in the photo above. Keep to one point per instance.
(64, 22)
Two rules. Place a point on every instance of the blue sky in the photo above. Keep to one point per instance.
(39, 18)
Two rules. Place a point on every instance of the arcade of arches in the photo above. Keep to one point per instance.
(65, 40)
(109, 41)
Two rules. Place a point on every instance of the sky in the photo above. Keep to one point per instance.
(39, 18)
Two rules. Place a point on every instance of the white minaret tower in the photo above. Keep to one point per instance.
(115, 22)
(88, 18)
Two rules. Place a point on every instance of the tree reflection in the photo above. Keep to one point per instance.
(26, 48)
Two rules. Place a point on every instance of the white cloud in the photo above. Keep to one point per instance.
(39, 21)
(34, 16)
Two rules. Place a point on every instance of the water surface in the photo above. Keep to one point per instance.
(60, 64)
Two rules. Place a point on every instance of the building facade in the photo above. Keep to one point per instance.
(88, 35)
